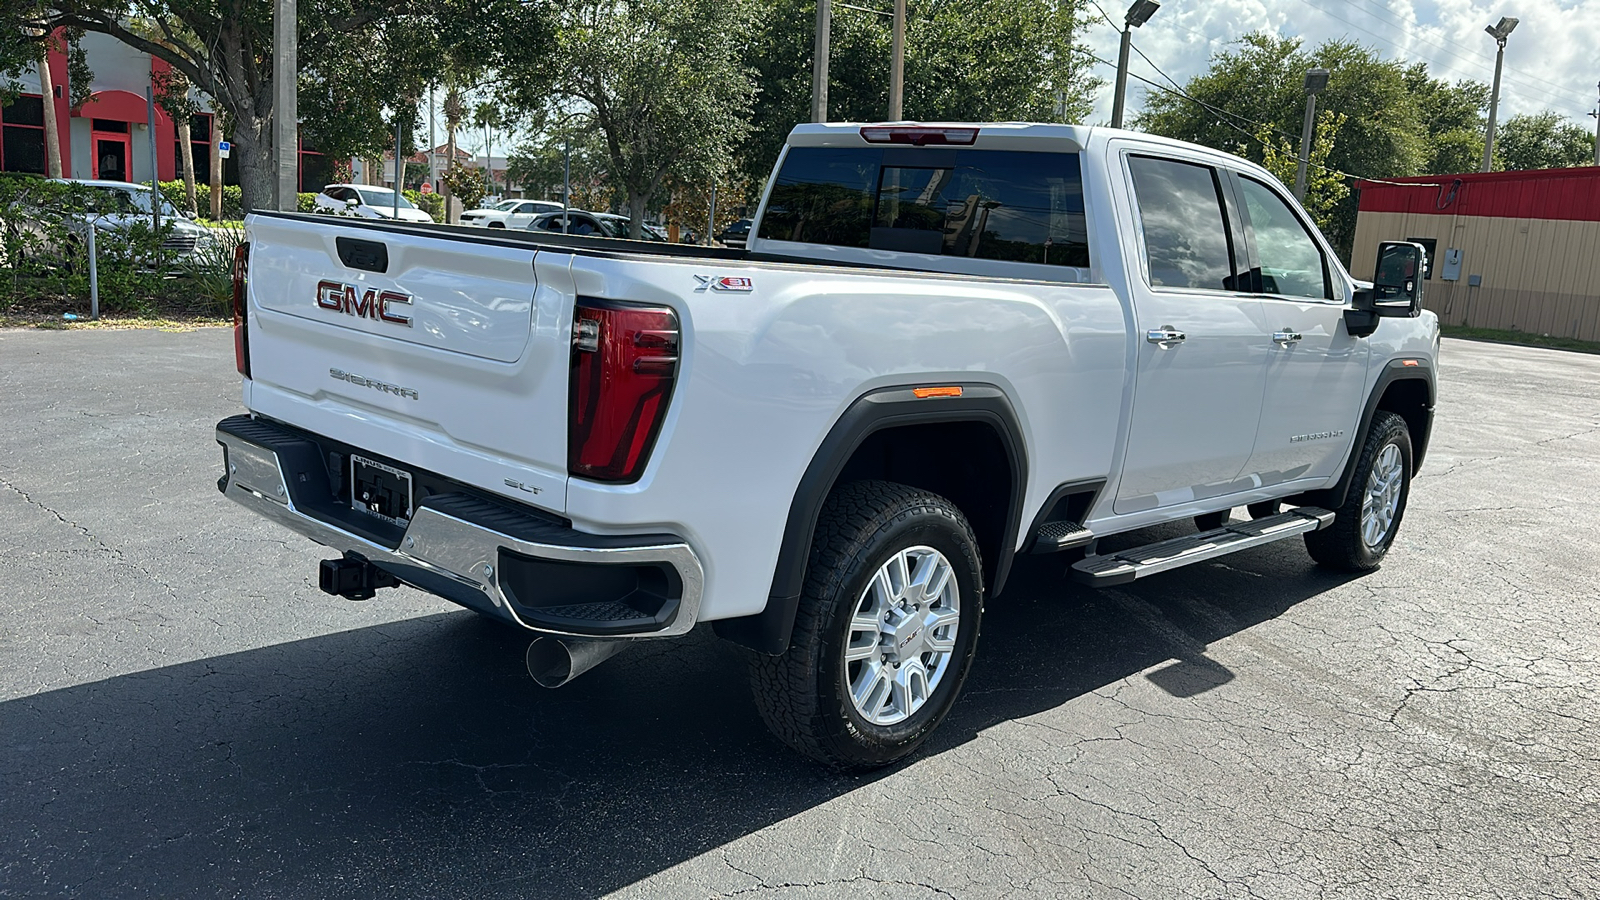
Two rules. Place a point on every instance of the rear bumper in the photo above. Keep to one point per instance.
(526, 569)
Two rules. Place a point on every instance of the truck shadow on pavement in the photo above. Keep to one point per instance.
(418, 758)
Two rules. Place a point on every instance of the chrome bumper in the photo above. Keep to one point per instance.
(461, 553)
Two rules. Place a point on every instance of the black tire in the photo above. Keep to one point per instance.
(1341, 545)
(497, 224)
(1211, 521)
(803, 695)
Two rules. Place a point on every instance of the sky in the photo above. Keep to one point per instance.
(1552, 59)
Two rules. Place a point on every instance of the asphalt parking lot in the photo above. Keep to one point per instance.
(183, 714)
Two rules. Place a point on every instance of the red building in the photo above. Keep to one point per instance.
(1511, 250)
(108, 136)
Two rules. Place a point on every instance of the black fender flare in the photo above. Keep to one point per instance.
(769, 631)
(1398, 369)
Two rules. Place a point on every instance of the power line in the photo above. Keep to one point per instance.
(1457, 51)
(1392, 43)
(1261, 125)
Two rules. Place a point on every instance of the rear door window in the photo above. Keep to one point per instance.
(1186, 242)
(1007, 205)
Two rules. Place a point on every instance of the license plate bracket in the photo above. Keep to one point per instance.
(380, 490)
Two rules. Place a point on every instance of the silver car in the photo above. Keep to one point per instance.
(124, 203)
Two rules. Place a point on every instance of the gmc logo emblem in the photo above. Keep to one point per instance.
(369, 304)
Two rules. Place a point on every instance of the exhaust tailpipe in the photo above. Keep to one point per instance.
(554, 662)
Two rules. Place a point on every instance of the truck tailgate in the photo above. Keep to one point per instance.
(439, 351)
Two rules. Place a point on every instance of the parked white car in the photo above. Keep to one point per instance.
(945, 346)
(509, 213)
(367, 202)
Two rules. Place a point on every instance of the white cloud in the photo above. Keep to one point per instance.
(1550, 58)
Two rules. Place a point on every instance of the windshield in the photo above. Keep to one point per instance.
(380, 198)
(505, 205)
(121, 200)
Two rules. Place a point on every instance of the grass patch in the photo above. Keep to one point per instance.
(1525, 338)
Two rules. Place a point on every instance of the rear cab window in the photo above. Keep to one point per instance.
(1005, 206)
(1185, 233)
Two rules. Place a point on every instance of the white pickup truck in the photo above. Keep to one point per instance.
(945, 346)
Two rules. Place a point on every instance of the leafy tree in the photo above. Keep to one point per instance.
(1453, 115)
(172, 93)
(1325, 188)
(966, 60)
(540, 166)
(1546, 140)
(1386, 131)
(354, 54)
(663, 82)
(466, 183)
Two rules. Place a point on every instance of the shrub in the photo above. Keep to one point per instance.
(430, 203)
(44, 228)
(232, 199)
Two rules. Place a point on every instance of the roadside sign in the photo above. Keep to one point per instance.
(427, 187)
(223, 149)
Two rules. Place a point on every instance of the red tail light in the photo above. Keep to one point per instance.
(241, 332)
(624, 361)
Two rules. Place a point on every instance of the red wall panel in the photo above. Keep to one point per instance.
(1567, 194)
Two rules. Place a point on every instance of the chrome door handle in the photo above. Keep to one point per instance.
(1165, 336)
(1286, 337)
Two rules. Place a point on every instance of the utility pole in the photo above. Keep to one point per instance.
(897, 64)
(1596, 115)
(819, 65)
(399, 164)
(1498, 31)
(1316, 82)
(1138, 14)
(155, 173)
(285, 109)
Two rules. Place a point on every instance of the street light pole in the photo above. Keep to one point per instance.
(897, 65)
(1596, 115)
(1499, 32)
(1316, 81)
(819, 65)
(1138, 14)
(285, 111)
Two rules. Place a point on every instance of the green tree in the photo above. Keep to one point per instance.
(540, 166)
(663, 81)
(1546, 140)
(1453, 115)
(354, 54)
(1325, 188)
(966, 60)
(1260, 81)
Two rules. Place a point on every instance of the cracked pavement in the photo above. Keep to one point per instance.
(183, 714)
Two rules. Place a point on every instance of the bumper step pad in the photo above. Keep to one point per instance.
(1053, 537)
(1124, 566)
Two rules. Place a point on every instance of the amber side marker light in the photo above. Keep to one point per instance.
(924, 393)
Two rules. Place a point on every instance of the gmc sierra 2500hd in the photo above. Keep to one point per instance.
(944, 346)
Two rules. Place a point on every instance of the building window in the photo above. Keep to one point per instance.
(22, 136)
(110, 125)
(199, 147)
